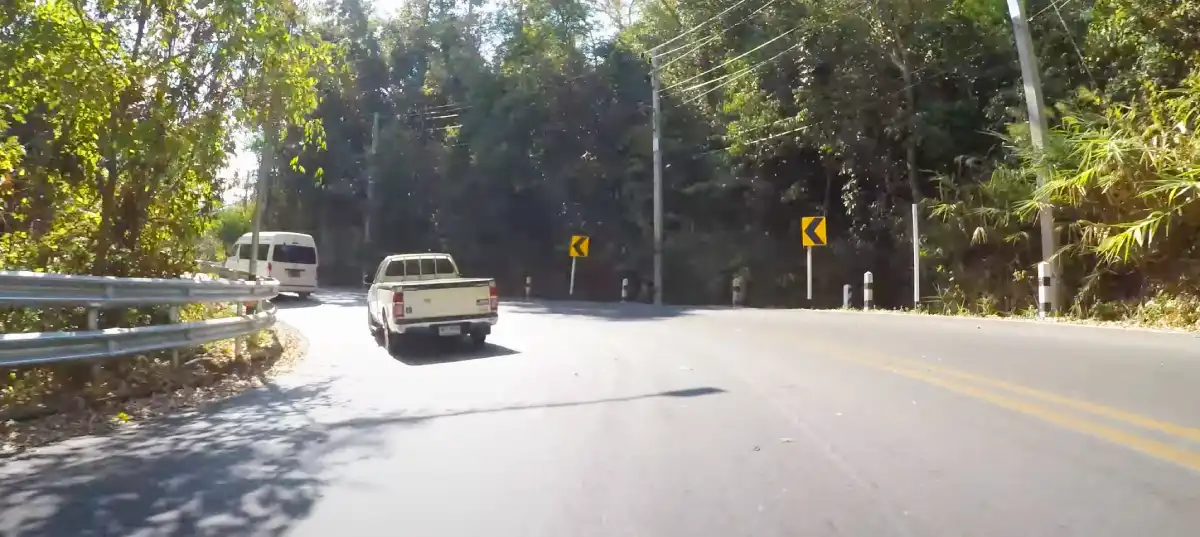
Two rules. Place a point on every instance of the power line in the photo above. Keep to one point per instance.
(430, 111)
(697, 27)
(1055, 4)
(736, 75)
(727, 62)
(696, 46)
(1074, 45)
(785, 133)
(686, 45)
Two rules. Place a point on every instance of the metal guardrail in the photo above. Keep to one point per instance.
(39, 290)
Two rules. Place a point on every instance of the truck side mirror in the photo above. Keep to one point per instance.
(367, 280)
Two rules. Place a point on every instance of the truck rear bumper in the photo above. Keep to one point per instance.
(474, 324)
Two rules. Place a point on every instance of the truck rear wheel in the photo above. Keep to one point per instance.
(391, 341)
(478, 339)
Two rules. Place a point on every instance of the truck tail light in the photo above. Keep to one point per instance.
(269, 269)
(398, 304)
(495, 296)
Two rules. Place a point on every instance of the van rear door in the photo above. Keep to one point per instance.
(294, 265)
(239, 259)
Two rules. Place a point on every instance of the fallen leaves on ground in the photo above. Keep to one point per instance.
(210, 376)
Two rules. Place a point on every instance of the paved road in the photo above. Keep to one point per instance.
(608, 421)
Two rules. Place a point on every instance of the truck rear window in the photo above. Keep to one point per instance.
(395, 268)
(295, 253)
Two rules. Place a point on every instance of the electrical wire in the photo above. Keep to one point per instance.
(727, 62)
(735, 76)
(697, 27)
(696, 46)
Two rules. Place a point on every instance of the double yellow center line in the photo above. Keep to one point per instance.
(1045, 406)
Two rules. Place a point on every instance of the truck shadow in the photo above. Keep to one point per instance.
(605, 311)
(418, 351)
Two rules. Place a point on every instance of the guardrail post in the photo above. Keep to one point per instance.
(528, 286)
(624, 289)
(93, 324)
(174, 313)
(868, 290)
(1045, 276)
(846, 296)
(237, 341)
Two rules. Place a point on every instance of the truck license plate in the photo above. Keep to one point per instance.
(450, 330)
(295, 273)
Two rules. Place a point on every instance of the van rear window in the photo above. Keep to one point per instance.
(294, 253)
(243, 251)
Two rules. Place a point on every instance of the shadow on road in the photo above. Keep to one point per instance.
(322, 298)
(244, 467)
(370, 423)
(608, 311)
(420, 351)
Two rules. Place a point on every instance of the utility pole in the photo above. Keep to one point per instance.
(367, 214)
(916, 253)
(658, 202)
(265, 164)
(1039, 131)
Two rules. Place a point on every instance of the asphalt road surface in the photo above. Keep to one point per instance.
(605, 420)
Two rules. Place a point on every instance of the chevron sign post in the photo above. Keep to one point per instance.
(813, 234)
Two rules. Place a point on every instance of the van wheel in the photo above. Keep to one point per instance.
(478, 339)
(304, 296)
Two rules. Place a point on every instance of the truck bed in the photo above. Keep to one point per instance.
(434, 300)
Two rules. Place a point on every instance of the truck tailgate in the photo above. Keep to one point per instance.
(447, 298)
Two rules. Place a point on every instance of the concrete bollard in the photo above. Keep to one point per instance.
(739, 291)
(1044, 277)
(528, 286)
(846, 290)
(868, 290)
(624, 289)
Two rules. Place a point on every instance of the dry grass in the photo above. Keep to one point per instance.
(39, 406)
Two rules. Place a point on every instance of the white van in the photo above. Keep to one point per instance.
(288, 257)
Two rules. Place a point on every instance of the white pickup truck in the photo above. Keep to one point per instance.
(424, 294)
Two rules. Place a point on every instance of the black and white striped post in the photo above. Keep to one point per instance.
(868, 290)
(738, 291)
(1044, 279)
(846, 292)
(528, 286)
(624, 289)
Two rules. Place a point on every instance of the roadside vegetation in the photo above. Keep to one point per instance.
(501, 132)
(116, 120)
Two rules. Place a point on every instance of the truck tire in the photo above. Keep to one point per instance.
(478, 339)
(391, 341)
(376, 331)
